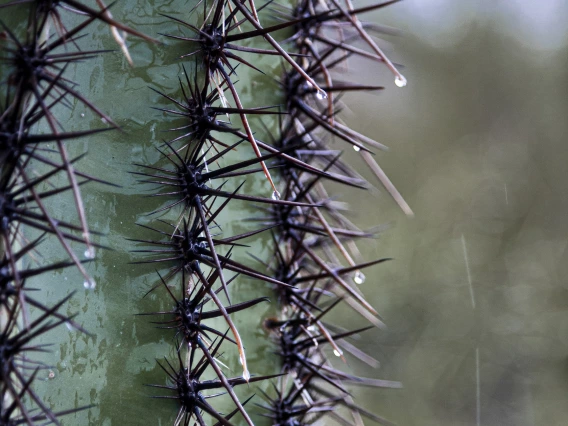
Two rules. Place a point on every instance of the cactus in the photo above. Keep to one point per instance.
(167, 185)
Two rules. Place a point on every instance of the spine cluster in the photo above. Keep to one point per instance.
(311, 237)
(33, 162)
(315, 247)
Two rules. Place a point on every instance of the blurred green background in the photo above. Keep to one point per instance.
(476, 300)
(477, 297)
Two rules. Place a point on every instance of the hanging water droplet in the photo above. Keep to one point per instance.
(70, 326)
(359, 278)
(337, 353)
(400, 81)
(321, 95)
(356, 148)
(276, 195)
(90, 253)
(246, 375)
(90, 284)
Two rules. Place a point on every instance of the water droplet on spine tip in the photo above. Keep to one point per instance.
(356, 148)
(336, 353)
(90, 253)
(400, 81)
(359, 278)
(321, 95)
(90, 284)
(275, 195)
(246, 373)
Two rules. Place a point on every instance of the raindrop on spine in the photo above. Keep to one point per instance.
(90, 253)
(89, 284)
(359, 278)
(400, 81)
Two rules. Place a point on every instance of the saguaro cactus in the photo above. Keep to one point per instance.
(217, 135)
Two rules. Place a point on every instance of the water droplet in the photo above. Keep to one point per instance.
(246, 375)
(70, 326)
(82, 114)
(359, 278)
(321, 95)
(90, 284)
(337, 353)
(90, 253)
(400, 81)
(356, 148)
(243, 361)
(276, 195)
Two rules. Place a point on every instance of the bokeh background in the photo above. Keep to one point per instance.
(476, 299)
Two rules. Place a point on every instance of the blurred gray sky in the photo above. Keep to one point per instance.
(541, 24)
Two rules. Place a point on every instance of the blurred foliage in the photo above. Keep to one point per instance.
(478, 147)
